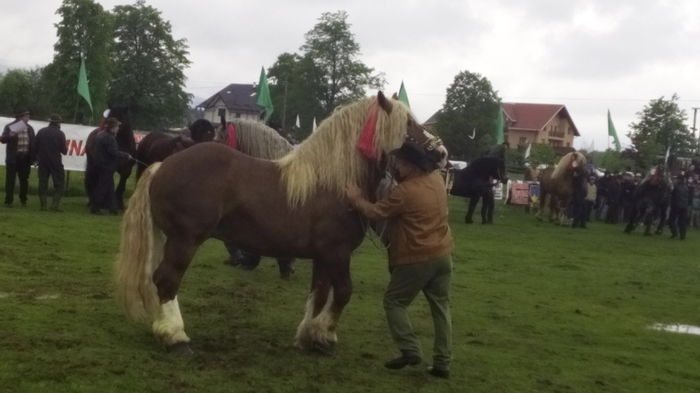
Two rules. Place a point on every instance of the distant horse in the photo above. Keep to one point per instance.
(650, 200)
(126, 143)
(158, 145)
(556, 186)
(294, 206)
(475, 182)
(531, 174)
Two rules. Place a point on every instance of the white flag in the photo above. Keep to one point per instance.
(314, 126)
(298, 123)
(527, 151)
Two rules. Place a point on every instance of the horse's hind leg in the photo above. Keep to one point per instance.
(286, 267)
(487, 206)
(168, 324)
(331, 290)
(472, 206)
(119, 191)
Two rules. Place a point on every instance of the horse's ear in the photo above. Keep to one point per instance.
(384, 103)
(395, 96)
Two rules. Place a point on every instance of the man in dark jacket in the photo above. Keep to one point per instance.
(680, 200)
(578, 198)
(106, 153)
(49, 144)
(18, 136)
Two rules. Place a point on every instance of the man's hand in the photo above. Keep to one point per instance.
(353, 192)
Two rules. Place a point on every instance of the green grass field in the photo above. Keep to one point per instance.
(536, 308)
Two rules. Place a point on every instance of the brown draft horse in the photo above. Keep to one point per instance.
(294, 206)
(158, 145)
(251, 137)
(556, 186)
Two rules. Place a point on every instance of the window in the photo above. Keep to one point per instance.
(222, 112)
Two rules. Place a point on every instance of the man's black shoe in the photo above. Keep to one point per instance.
(403, 361)
(439, 372)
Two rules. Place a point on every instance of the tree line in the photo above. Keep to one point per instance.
(133, 61)
(131, 58)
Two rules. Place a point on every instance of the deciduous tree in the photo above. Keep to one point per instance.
(149, 67)
(23, 89)
(333, 49)
(661, 126)
(470, 111)
(85, 29)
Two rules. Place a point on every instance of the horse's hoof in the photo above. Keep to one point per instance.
(181, 349)
(468, 221)
(327, 349)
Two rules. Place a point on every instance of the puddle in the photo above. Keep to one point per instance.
(48, 297)
(675, 328)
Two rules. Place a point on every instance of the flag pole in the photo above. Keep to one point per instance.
(77, 100)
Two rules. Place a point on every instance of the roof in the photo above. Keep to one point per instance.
(534, 117)
(433, 119)
(237, 97)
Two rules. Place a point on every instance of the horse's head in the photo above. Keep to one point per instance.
(428, 150)
(125, 134)
(202, 131)
(571, 163)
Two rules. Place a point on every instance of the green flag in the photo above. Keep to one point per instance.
(613, 133)
(500, 125)
(403, 97)
(263, 93)
(83, 89)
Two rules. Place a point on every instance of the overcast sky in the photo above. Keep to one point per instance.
(591, 55)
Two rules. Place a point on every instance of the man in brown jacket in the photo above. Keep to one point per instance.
(419, 257)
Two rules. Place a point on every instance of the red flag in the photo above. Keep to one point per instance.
(231, 138)
(366, 143)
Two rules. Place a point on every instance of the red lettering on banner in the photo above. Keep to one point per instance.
(75, 147)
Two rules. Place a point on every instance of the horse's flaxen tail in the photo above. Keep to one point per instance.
(140, 253)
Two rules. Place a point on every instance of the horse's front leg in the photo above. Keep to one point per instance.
(331, 289)
(168, 324)
(564, 212)
(119, 191)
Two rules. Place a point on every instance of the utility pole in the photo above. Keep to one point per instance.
(697, 139)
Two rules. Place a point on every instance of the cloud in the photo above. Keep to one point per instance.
(590, 55)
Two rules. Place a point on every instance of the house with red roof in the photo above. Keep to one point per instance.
(549, 124)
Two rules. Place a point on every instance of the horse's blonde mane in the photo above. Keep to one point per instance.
(258, 140)
(561, 168)
(329, 159)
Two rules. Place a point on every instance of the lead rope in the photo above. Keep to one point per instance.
(385, 185)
